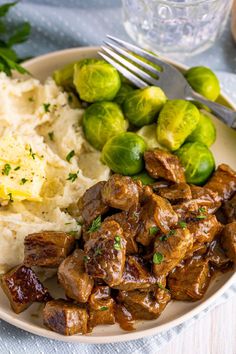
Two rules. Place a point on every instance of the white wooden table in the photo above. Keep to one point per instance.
(213, 334)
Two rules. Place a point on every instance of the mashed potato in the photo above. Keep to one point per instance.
(39, 187)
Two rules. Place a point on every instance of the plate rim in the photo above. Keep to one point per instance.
(127, 336)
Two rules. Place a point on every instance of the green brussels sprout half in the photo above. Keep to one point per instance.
(124, 90)
(101, 121)
(198, 162)
(205, 131)
(142, 106)
(149, 135)
(96, 80)
(64, 76)
(124, 153)
(144, 178)
(177, 120)
(204, 81)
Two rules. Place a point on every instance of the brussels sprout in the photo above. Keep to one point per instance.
(124, 153)
(198, 162)
(101, 121)
(64, 76)
(124, 90)
(149, 135)
(205, 131)
(144, 178)
(177, 120)
(204, 81)
(141, 106)
(96, 80)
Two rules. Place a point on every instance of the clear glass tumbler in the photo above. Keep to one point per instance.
(175, 27)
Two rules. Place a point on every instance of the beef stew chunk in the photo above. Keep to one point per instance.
(229, 209)
(228, 241)
(206, 198)
(64, 317)
(156, 214)
(205, 229)
(105, 251)
(91, 204)
(162, 164)
(169, 250)
(177, 193)
(73, 277)
(223, 182)
(101, 307)
(129, 222)
(22, 287)
(120, 192)
(216, 255)
(47, 248)
(124, 318)
(136, 276)
(190, 281)
(145, 305)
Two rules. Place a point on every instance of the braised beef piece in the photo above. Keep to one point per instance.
(170, 249)
(223, 182)
(190, 281)
(198, 249)
(206, 198)
(105, 251)
(101, 307)
(120, 192)
(161, 183)
(177, 193)
(156, 214)
(64, 317)
(163, 164)
(124, 318)
(22, 287)
(186, 210)
(129, 221)
(73, 278)
(228, 241)
(205, 229)
(145, 305)
(91, 205)
(229, 209)
(216, 255)
(136, 276)
(47, 248)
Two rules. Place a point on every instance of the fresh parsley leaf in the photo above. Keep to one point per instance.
(202, 210)
(96, 224)
(51, 136)
(72, 233)
(165, 237)
(153, 230)
(6, 169)
(21, 34)
(46, 107)
(72, 176)
(6, 7)
(201, 217)
(70, 155)
(161, 286)
(86, 258)
(157, 258)
(117, 243)
(182, 224)
(103, 308)
(98, 252)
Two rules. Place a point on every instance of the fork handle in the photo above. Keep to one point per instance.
(226, 115)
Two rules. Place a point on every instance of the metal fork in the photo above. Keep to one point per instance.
(119, 53)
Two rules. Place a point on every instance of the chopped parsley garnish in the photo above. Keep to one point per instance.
(103, 308)
(46, 107)
(201, 217)
(10, 197)
(161, 286)
(96, 224)
(157, 258)
(32, 153)
(17, 168)
(117, 244)
(51, 136)
(70, 155)
(72, 176)
(86, 258)
(6, 169)
(23, 180)
(153, 230)
(72, 233)
(165, 237)
(182, 224)
(98, 252)
(202, 212)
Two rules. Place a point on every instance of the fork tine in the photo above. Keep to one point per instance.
(139, 51)
(133, 58)
(130, 66)
(126, 73)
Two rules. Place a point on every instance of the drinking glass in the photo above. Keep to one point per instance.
(175, 27)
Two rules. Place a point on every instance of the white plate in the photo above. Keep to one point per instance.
(177, 311)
